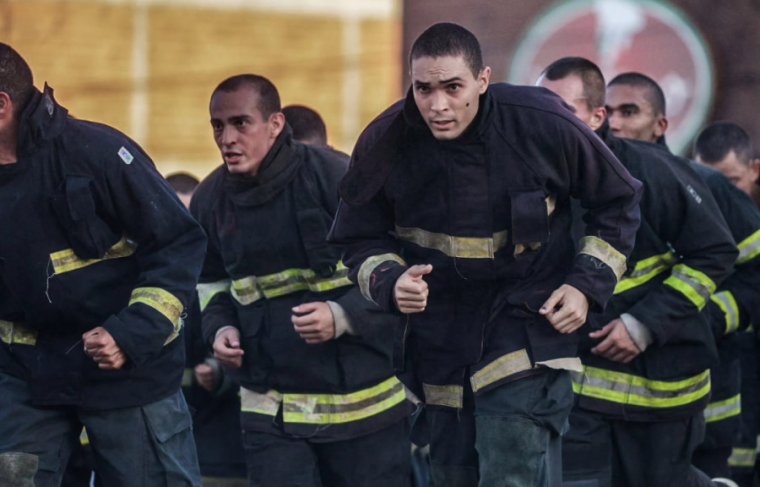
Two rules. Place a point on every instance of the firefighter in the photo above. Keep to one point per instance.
(319, 399)
(726, 147)
(651, 436)
(641, 114)
(98, 261)
(455, 213)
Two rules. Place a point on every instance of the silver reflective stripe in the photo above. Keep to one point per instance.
(726, 302)
(368, 267)
(625, 388)
(343, 408)
(17, 333)
(187, 377)
(609, 255)
(254, 402)
(749, 248)
(742, 457)
(500, 368)
(720, 410)
(451, 396)
(459, 247)
(207, 291)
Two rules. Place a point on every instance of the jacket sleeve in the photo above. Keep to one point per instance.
(169, 247)
(610, 196)
(371, 252)
(214, 286)
(735, 305)
(681, 210)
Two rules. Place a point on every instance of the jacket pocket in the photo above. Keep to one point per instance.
(74, 205)
(530, 219)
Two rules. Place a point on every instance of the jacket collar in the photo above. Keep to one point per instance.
(41, 120)
(474, 132)
(277, 170)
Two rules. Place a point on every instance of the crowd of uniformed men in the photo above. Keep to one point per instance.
(503, 286)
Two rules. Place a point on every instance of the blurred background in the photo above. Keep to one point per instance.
(148, 67)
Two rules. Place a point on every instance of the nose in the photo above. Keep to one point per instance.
(438, 101)
(228, 136)
(614, 120)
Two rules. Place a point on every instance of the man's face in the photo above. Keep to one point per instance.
(242, 134)
(741, 174)
(570, 89)
(631, 116)
(447, 94)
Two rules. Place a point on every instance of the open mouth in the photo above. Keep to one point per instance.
(232, 157)
(442, 124)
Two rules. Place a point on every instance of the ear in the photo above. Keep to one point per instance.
(276, 124)
(483, 79)
(661, 126)
(6, 110)
(598, 116)
(754, 166)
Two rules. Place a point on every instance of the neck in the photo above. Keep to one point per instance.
(8, 141)
(755, 194)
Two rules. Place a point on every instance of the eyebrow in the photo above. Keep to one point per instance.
(623, 106)
(442, 82)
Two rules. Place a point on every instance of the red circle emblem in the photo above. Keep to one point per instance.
(646, 36)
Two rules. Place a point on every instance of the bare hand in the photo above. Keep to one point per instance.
(205, 376)
(617, 344)
(227, 348)
(314, 322)
(411, 290)
(566, 309)
(103, 349)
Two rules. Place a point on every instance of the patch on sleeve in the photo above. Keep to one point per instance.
(126, 156)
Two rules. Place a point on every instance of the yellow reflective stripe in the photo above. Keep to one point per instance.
(609, 255)
(187, 377)
(162, 301)
(693, 284)
(207, 291)
(460, 247)
(342, 408)
(84, 439)
(633, 390)
(66, 260)
(749, 248)
(742, 457)
(720, 410)
(645, 270)
(369, 266)
(451, 396)
(250, 289)
(726, 302)
(246, 290)
(16, 333)
(500, 368)
(254, 402)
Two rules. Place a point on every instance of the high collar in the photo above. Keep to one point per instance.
(473, 133)
(41, 120)
(278, 168)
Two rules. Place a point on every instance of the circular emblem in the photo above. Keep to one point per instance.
(647, 36)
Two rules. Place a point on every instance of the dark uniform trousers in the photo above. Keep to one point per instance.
(144, 446)
(513, 433)
(379, 459)
(603, 452)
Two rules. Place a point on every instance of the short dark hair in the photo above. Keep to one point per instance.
(15, 77)
(718, 139)
(589, 73)
(182, 182)
(269, 98)
(307, 124)
(654, 93)
(448, 39)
